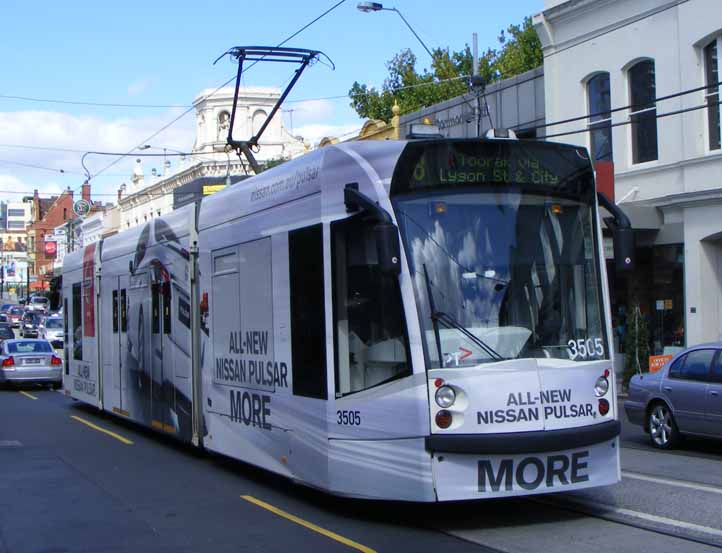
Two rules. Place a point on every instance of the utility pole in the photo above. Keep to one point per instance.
(477, 84)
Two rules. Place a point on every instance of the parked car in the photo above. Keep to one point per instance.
(15, 316)
(38, 303)
(30, 361)
(30, 324)
(53, 330)
(4, 318)
(683, 398)
(5, 307)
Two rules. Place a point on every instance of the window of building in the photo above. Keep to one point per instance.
(600, 117)
(16, 224)
(308, 323)
(16, 213)
(643, 111)
(370, 330)
(65, 214)
(711, 69)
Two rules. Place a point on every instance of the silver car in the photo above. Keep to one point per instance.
(684, 397)
(52, 330)
(30, 361)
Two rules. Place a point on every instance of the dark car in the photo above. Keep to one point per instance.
(684, 397)
(29, 325)
(6, 332)
(5, 307)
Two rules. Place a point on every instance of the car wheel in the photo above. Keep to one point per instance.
(57, 385)
(662, 428)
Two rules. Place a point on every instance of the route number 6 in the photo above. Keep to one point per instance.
(584, 349)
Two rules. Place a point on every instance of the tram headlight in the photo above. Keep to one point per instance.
(445, 397)
(601, 387)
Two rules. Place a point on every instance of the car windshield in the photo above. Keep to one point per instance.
(6, 333)
(54, 323)
(16, 311)
(39, 300)
(29, 347)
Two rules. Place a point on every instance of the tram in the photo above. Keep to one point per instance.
(422, 320)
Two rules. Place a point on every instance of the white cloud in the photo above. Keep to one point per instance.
(13, 188)
(315, 132)
(82, 133)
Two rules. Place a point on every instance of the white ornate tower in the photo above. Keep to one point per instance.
(213, 116)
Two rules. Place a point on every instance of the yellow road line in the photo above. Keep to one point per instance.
(31, 396)
(309, 525)
(103, 430)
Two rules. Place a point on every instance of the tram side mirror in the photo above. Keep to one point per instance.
(623, 248)
(388, 249)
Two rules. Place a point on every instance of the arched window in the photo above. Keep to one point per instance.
(643, 111)
(258, 119)
(600, 117)
(711, 72)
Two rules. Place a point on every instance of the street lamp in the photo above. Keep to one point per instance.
(367, 7)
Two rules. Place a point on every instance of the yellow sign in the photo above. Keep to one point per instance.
(667, 304)
(209, 189)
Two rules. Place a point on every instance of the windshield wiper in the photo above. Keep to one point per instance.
(449, 321)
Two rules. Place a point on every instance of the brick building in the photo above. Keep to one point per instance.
(47, 213)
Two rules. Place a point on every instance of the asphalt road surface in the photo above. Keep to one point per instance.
(75, 480)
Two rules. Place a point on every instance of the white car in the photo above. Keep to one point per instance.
(53, 330)
(38, 303)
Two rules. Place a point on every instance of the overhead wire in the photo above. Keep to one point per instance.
(164, 127)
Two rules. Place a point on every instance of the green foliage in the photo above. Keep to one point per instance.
(447, 78)
(636, 343)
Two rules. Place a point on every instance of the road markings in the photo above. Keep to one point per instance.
(103, 430)
(31, 396)
(352, 544)
(672, 482)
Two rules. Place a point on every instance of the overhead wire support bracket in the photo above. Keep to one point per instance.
(301, 56)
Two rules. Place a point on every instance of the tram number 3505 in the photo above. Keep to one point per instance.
(348, 418)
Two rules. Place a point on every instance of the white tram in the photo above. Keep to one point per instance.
(408, 320)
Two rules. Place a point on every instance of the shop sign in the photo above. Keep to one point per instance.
(656, 362)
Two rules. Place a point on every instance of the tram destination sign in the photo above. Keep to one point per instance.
(451, 164)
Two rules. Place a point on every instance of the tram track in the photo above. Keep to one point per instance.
(647, 522)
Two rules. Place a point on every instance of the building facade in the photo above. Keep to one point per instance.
(640, 79)
(151, 195)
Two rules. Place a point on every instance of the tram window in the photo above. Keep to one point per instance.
(123, 312)
(308, 323)
(370, 331)
(77, 322)
(115, 311)
(154, 308)
(166, 308)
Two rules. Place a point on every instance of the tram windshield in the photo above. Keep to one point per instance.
(503, 267)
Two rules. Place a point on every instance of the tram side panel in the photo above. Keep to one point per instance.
(245, 362)
(82, 376)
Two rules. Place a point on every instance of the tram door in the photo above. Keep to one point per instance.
(120, 339)
(161, 354)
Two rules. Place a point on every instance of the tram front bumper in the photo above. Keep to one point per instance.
(524, 463)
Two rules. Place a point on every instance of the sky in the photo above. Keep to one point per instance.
(161, 53)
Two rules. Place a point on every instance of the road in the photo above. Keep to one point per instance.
(75, 480)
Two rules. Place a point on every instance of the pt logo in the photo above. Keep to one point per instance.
(457, 356)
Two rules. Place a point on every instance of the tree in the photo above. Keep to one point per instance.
(636, 343)
(447, 78)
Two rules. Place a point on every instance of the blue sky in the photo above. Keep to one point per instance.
(161, 52)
